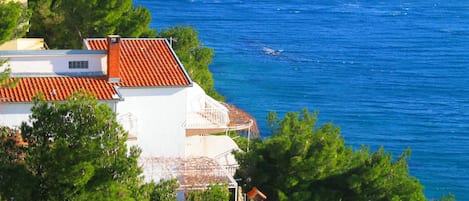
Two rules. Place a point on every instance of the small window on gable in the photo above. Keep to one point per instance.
(78, 64)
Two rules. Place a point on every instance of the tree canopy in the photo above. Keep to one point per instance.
(214, 192)
(14, 18)
(65, 23)
(304, 162)
(76, 151)
(5, 80)
(194, 56)
(13, 24)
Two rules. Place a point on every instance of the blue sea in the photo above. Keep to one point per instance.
(391, 73)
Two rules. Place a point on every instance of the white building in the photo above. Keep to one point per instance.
(142, 80)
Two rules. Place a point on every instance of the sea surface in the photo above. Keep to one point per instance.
(391, 73)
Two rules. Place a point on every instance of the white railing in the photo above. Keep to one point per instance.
(129, 123)
(231, 169)
(224, 160)
(217, 111)
(224, 154)
(214, 115)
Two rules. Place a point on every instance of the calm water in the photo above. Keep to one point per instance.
(391, 73)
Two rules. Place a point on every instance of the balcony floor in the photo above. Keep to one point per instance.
(239, 120)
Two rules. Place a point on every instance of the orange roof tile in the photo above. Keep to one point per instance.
(143, 63)
(146, 62)
(57, 88)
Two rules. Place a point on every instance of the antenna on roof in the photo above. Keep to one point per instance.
(171, 39)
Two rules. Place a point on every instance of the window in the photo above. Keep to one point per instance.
(78, 64)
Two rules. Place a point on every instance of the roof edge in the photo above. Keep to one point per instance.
(179, 62)
(88, 39)
(10, 53)
(28, 102)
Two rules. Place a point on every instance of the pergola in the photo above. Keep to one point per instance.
(192, 173)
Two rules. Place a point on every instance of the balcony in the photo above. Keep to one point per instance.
(192, 173)
(217, 147)
(205, 115)
(129, 123)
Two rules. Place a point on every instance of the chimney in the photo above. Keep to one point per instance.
(113, 60)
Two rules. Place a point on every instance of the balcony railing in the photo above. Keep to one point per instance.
(213, 115)
(227, 160)
(129, 123)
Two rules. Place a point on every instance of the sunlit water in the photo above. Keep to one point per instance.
(391, 73)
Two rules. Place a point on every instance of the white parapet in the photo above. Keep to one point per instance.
(218, 147)
(204, 111)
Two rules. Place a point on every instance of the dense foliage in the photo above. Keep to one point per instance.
(65, 23)
(213, 193)
(12, 24)
(5, 80)
(14, 18)
(165, 190)
(194, 56)
(304, 162)
(76, 151)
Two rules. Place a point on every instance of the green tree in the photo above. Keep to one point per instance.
(15, 180)
(165, 190)
(213, 193)
(303, 162)
(5, 80)
(65, 23)
(14, 20)
(194, 56)
(76, 151)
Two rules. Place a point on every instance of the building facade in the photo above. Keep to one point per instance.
(142, 80)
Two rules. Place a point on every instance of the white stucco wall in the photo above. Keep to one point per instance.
(12, 114)
(50, 61)
(195, 98)
(160, 115)
(216, 147)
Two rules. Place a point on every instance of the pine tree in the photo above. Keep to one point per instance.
(303, 162)
(65, 23)
(194, 56)
(76, 151)
(12, 25)
(214, 192)
(14, 18)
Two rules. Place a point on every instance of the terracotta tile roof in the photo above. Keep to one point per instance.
(143, 63)
(57, 88)
(146, 62)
